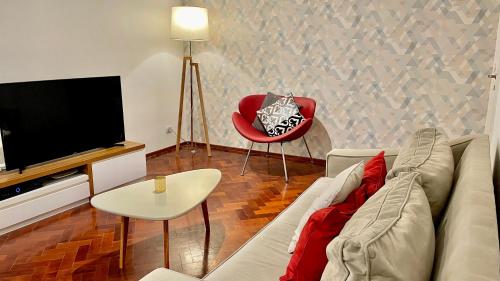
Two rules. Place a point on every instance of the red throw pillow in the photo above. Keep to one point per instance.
(374, 175)
(309, 258)
(373, 179)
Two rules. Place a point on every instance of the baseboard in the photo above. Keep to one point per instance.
(162, 151)
(239, 151)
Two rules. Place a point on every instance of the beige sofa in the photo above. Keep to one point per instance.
(467, 246)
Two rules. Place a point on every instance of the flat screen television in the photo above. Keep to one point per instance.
(46, 120)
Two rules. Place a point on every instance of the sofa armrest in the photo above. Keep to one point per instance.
(338, 160)
(459, 144)
(163, 274)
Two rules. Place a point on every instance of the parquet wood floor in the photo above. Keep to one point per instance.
(83, 243)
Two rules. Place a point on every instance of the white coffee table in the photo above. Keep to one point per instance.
(184, 192)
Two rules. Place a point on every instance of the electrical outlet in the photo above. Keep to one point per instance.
(169, 130)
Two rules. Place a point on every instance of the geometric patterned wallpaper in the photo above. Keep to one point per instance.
(377, 69)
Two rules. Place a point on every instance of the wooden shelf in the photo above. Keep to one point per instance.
(83, 160)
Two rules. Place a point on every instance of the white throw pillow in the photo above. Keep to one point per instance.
(340, 187)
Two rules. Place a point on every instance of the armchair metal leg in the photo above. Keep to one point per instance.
(246, 160)
(307, 146)
(267, 155)
(284, 162)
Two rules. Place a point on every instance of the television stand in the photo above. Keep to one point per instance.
(103, 169)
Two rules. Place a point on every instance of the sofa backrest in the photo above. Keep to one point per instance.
(458, 145)
(467, 246)
(339, 159)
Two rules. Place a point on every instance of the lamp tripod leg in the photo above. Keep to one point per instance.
(191, 97)
(181, 105)
(202, 106)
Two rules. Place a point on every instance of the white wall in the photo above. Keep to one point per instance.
(50, 39)
(493, 121)
(493, 118)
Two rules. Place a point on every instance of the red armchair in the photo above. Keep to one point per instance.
(248, 107)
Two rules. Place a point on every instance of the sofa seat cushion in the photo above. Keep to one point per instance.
(265, 256)
(391, 237)
(428, 152)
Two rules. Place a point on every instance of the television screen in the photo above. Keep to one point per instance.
(45, 120)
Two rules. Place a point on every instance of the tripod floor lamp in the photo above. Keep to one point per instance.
(190, 24)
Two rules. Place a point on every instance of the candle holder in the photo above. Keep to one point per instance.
(160, 184)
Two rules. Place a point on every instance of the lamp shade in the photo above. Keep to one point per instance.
(189, 24)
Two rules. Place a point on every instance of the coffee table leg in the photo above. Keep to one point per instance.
(123, 241)
(166, 259)
(205, 215)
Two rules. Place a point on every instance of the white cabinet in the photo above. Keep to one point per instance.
(101, 169)
(29, 207)
(112, 172)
